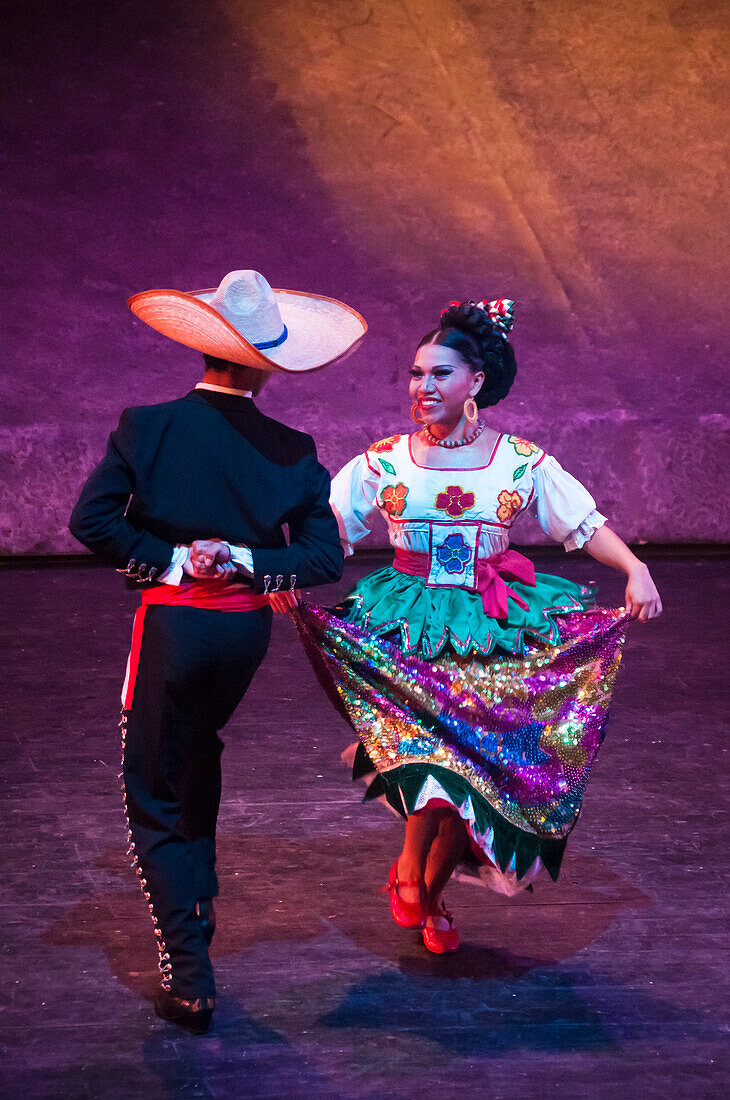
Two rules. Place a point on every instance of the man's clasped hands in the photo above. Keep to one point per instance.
(212, 558)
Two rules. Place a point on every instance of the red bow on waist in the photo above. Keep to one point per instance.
(490, 574)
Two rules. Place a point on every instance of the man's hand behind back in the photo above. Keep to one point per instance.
(209, 558)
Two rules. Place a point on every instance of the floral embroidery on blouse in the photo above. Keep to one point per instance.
(510, 502)
(384, 444)
(454, 501)
(394, 499)
(523, 446)
(453, 553)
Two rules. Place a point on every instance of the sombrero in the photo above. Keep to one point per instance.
(246, 322)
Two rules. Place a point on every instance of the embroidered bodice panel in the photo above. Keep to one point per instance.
(422, 506)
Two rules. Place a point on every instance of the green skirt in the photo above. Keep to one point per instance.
(427, 620)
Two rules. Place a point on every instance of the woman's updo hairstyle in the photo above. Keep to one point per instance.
(468, 329)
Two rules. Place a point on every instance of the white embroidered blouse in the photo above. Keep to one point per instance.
(421, 504)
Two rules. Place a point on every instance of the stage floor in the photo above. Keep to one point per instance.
(612, 983)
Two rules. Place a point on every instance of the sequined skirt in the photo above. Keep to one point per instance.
(507, 740)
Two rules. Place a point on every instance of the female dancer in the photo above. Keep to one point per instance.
(478, 687)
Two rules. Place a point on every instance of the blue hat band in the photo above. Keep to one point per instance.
(273, 343)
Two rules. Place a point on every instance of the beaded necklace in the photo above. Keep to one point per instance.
(481, 425)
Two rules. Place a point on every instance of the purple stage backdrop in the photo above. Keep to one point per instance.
(396, 154)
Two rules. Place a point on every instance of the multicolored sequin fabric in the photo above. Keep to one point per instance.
(523, 731)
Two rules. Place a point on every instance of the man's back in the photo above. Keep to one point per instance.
(207, 465)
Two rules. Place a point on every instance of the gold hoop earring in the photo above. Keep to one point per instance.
(414, 418)
(471, 410)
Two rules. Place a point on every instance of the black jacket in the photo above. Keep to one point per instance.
(210, 465)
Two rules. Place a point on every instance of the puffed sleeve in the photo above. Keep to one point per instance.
(566, 511)
(352, 499)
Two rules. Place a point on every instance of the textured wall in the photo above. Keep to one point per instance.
(394, 154)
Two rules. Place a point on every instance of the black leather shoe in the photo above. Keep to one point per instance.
(193, 1016)
(206, 915)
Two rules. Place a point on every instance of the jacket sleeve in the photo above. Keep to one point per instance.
(99, 521)
(314, 554)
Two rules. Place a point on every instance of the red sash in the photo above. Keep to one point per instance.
(214, 594)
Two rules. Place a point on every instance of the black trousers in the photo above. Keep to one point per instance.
(194, 668)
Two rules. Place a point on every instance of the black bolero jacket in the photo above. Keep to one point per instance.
(210, 465)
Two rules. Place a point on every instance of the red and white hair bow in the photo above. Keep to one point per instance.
(501, 313)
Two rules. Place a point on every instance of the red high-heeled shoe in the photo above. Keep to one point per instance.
(441, 940)
(408, 914)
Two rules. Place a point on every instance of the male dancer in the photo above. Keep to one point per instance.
(210, 469)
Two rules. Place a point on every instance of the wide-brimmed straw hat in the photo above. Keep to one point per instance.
(246, 322)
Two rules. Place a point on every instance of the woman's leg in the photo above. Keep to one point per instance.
(421, 831)
(448, 847)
